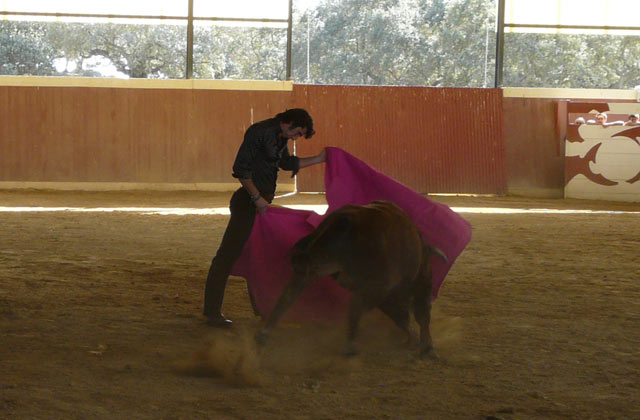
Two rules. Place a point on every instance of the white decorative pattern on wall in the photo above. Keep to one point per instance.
(603, 162)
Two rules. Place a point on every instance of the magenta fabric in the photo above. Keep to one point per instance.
(264, 262)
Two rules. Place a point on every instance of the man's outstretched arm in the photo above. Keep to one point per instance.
(313, 160)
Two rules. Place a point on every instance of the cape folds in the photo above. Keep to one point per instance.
(265, 264)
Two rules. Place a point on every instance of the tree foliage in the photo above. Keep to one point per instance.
(239, 53)
(383, 42)
(144, 51)
(24, 50)
(399, 42)
(572, 61)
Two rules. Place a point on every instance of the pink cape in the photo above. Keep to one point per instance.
(348, 180)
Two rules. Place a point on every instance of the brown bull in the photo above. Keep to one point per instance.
(376, 252)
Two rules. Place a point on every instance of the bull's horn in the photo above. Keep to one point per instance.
(439, 252)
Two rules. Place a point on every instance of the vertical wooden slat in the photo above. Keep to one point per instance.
(431, 139)
(533, 165)
(434, 140)
(85, 134)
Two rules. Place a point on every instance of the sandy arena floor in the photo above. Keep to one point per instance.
(100, 319)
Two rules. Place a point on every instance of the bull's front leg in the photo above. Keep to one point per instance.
(423, 316)
(422, 312)
(357, 306)
(291, 291)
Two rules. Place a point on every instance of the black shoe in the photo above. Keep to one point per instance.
(219, 321)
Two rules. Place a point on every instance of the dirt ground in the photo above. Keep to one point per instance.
(100, 318)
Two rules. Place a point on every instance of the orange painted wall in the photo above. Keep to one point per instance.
(85, 134)
(534, 141)
(435, 140)
(431, 139)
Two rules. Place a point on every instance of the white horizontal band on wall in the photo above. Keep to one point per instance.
(132, 186)
(196, 84)
(555, 93)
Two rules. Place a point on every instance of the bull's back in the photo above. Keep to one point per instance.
(388, 233)
(379, 220)
(376, 240)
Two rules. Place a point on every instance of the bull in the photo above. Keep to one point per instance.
(376, 252)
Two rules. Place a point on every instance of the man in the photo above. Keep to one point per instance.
(601, 119)
(632, 120)
(263, 152)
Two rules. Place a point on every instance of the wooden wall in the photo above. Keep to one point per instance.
(447, 140)
(120, 135)
(431, 139)
(534, 143)
(535, 127)
(435, 140)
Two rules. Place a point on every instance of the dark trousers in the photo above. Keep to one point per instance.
(243, 214)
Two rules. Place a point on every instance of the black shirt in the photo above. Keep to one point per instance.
(261, 154)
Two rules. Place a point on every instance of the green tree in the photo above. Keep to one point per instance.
(612, 61)
(403, 42)
(384, 42)
(572, 61)
(23, 50)
(456, 44)
(357, 42)
(239, 53)
(140, 51)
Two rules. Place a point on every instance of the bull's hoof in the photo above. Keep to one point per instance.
(261, 337)
(428, 353)
(352, 351)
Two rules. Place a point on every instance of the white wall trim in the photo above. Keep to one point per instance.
(102, 82)
(131, 186)
(518, 92)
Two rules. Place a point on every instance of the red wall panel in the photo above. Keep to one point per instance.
(534, 147)
(434, 140)
(86, 134)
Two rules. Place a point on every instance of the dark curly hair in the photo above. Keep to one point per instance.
(298, 117)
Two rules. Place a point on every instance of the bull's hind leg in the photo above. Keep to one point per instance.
(422, 312)
(396, 307)
(357, 307)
